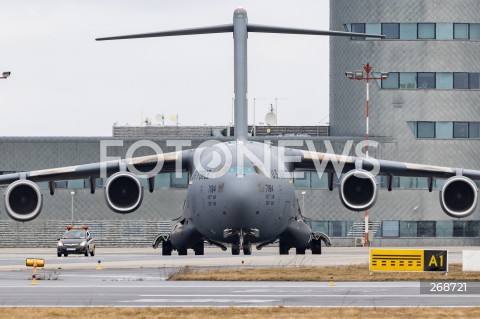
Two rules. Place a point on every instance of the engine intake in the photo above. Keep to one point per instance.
(358, 190)
(458, 197)
(23, 200)
(123, 192)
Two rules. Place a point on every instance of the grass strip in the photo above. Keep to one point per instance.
(238, 313)
(339, 273)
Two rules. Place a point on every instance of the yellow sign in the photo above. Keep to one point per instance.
(32, 262)
(408, 260)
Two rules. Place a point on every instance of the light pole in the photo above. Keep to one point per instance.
(5, 75)
(254, 102)
(366, 75)
(72, 193)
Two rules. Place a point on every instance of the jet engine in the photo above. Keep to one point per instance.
(23, 200)
(458, 197)
(123, 192)
(358, 190)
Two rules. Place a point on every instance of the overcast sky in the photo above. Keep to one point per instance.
(65, 83)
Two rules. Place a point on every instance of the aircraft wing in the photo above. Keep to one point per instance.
(358, 187)
(123, 189)
(384, 167)
(167, 161)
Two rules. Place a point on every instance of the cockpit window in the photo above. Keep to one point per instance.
(246, 170)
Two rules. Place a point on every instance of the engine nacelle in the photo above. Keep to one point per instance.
(23, 200)
(458, 197)
(358, 190)
(123, 192)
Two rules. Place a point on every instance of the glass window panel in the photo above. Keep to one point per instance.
(426, 129)
(43, 185)
(319, 181)
(474, 81)
(319, 226)
(474, 130)
(336, 229)
(76, 184)
(426, 229)
(444, 80)
(422, 182)
(408, 31)
(179, 182)
(348, 27)
(390, 228)
(460, 31)
(444, 129)
(458, 228)
(444, 31)
(426, 30)
(408, 229)
(413, 127)
(444, 228)
(460, 129)
(396, 182)
(391, 82)
(358, 28)
(460, 80)
(426, 80)
(61, 184)
(373, 28)
(475, 31)
(162, 180)
(302, 182)
(408, 182)
(391, 30)
(408, 80)
(472, 228)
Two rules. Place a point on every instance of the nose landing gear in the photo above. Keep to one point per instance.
(242, 241)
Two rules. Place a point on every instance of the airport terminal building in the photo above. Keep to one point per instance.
(426, 111)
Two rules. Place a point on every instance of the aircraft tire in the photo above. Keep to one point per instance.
(199, 249)
(300, 251)
(182, 252)
(283, 248)
(167, 248)
(316, 247)
(235, 249)
(247, 248)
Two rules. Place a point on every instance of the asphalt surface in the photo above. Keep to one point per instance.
(136, 278)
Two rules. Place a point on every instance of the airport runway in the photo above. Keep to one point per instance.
(136, 278)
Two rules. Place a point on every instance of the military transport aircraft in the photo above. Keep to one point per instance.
(240, 192)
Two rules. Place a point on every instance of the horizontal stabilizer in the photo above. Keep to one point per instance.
(269, 29)
(204, 30)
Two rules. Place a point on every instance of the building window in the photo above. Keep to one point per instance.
(391, 30)
(474, 31)
(391, 82)
(408, 31)
(426, 30)
(408, 229)
(390, 228)
(460, 129)
(426, 80)
(373, 28)
(61, 184)
(444, 80)
(444, 31)
(408, 80)
(460, 80)
(444, 129)
(426, 129)
(460, 31)
(426, 229)
(474, 130)
(474, 81)
(358, 28)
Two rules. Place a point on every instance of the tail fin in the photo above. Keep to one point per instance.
(240, 29)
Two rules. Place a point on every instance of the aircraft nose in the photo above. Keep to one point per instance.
(242, 201)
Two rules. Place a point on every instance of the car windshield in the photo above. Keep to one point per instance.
(74, 234)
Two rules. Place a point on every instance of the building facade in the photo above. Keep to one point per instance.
(430, 103)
